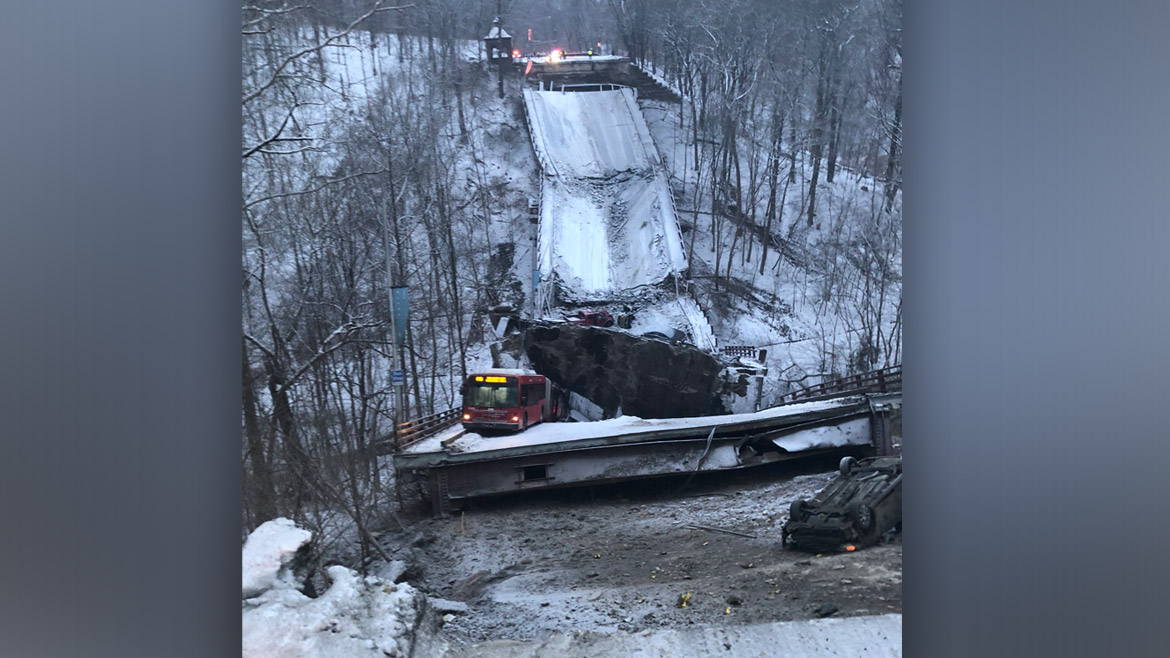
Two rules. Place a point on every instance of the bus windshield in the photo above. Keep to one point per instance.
(491, 395)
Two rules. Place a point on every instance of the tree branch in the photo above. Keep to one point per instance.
(312, 190)
(276, 135)
(268, 13)
(378, 8)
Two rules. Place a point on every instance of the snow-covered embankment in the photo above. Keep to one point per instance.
(355, 617)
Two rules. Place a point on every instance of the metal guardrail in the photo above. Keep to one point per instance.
(883, 380)
(739, 350)
(415, 430)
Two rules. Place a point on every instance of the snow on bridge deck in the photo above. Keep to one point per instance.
(620, 449)
(550, 434)
(607, 221)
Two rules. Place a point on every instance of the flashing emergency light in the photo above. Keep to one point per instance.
(555, 56)
(515, 54)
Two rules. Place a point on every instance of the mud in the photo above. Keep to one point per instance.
(624, 558)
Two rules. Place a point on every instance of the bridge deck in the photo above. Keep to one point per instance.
(566, 454)
(627, 429)
(607, 222)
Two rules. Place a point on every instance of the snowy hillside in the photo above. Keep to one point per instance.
(834, 289)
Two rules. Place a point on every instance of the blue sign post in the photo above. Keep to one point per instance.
(397, 377)
(399, 296)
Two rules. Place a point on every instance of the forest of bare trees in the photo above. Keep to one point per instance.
(360, 178)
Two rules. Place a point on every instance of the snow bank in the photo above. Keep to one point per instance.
(269, 554)
(355, 617)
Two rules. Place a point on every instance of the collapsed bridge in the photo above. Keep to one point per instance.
(607, 228)
(451, 466)
(607, 221)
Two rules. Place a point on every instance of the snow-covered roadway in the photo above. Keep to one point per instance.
(607, 224)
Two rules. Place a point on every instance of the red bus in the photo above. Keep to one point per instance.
(511, 400)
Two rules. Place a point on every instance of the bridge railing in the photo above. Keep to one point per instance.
(739, 350)
(879, 381)
(417, 429)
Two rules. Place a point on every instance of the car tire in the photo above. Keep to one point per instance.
(846, 466)
(862, 516)
(798, 510)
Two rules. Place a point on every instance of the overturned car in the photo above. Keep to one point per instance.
(859, 506)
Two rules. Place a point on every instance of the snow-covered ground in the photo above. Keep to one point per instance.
(806, 314)
(873, 637)
(355, 617)
(600, 572)
(527, 607)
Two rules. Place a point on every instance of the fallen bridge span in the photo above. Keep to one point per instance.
(436, 474)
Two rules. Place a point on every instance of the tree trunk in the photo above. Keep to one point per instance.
(892, 164)
(835, 115)
(816, 148)
(261, 489)
(792, 152)
(773, 176)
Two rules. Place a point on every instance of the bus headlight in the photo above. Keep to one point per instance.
(466, 416)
